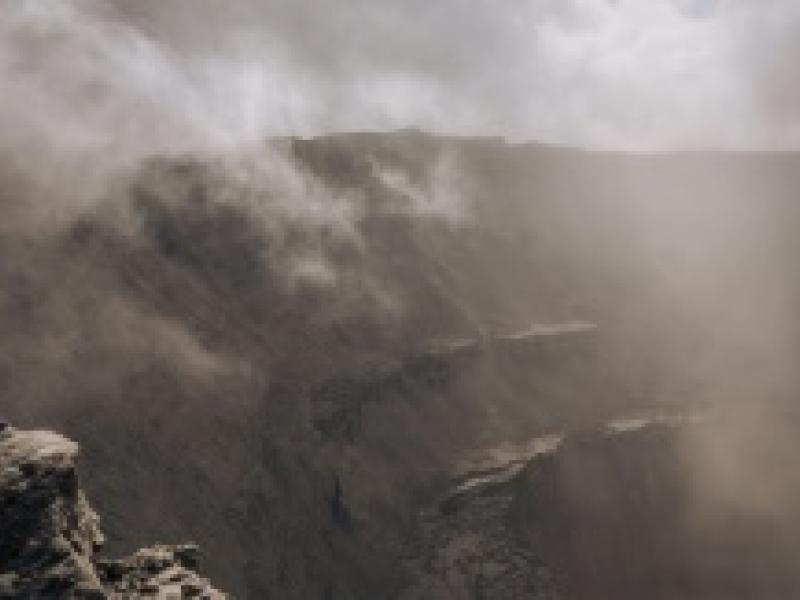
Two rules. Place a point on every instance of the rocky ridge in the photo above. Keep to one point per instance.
(50, 538)
(602, 514)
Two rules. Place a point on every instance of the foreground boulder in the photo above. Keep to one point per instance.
(49, 535)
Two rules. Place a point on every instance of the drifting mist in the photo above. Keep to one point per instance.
(199, 274)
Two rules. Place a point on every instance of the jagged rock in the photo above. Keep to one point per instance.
(164, 571)
(49, 534)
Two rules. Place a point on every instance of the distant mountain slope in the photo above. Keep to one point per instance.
(251, 337)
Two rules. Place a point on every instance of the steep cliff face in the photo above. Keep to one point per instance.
(49, 534)
(609, 514)
(295, 346)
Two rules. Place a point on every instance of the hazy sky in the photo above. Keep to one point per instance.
(611, 73)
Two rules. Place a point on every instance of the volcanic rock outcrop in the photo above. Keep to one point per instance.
(49, 534)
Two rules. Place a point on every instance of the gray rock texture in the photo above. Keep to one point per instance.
(49, 534)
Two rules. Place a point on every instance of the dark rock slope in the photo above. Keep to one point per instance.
(49, 534)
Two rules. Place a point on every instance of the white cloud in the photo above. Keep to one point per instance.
(117, 76)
